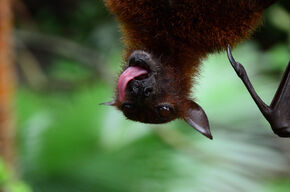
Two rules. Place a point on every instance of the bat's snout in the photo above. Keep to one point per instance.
(142, 89)
(143, 86)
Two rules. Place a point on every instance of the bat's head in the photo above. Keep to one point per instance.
(151, 92)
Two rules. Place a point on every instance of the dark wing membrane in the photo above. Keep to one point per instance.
(281, 103)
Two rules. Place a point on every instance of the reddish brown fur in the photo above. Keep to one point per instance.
(182, 32)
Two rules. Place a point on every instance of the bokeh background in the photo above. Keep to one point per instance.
(67, 57)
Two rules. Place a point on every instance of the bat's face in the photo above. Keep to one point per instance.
(143, 90)
(149, 91)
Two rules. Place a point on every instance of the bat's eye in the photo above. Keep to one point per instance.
(165, 111)
(128, 108)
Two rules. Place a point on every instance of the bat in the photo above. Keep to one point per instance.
(278, 113)
(165, 42)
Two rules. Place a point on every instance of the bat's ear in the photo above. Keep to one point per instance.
(110, 103)
(195, 116)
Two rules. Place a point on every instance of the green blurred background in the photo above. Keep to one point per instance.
(68, 55)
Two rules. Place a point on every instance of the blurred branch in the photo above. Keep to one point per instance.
(65, 48)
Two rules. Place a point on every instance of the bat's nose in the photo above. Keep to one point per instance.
(147, 91)
(138, 91)
(141, 89)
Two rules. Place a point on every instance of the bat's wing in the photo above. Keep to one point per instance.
(278, 113)
(280, 118)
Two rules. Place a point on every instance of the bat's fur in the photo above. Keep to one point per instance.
(182, 32)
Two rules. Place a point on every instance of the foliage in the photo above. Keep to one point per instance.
(8, 184)
(68, 143)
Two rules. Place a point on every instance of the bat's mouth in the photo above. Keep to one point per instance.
(139, 76)
(132, 72)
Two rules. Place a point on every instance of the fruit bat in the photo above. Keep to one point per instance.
(165, 41)
(278, 113)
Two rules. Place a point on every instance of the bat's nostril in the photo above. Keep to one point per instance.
(148, 91)
(134, 91)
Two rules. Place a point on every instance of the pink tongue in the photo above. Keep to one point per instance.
(126, 76)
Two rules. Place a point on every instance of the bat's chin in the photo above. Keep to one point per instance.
(143, 60)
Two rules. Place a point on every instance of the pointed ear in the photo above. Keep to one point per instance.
(196, 118)
(110, 103)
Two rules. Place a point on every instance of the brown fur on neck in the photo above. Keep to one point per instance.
(183, 32)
